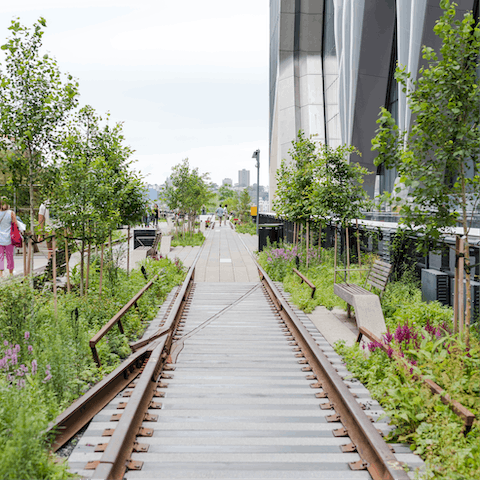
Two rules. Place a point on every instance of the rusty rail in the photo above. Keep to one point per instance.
(375, 454)
(113, 463)
(466, 415)
(306, 280)
(117, 319)
(75, 417)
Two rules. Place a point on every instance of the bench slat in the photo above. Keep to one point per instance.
(380, 268)
(376, 285)
(378, 278)
(383, 264)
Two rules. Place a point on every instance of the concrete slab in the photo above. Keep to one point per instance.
(331, 327)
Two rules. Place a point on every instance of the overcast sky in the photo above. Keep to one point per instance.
(188, 78)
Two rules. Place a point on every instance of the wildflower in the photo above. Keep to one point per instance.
(390, 352)
(34, 367)
(388, 337)
(27, 335)
(30, 349)
(5, 343)
(21, 384)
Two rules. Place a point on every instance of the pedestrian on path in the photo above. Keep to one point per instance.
(225, 214)
(7, 217)
(219, 213)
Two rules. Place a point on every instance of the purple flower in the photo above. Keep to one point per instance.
(5, 343)
(30, 349)
(27, 335)
(390, 352)
(388, 337)
(34, 367)
(21, 384)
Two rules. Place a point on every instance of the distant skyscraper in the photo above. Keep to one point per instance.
(227, 181)
(244, 178)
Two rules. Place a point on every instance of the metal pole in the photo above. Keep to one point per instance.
(256, 154)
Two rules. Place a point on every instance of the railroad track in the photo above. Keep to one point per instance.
(234, 384)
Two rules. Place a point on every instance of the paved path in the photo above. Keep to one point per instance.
(225, 259)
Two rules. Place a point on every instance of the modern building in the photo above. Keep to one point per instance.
(244, 178)
(332, 65)
(227, 181)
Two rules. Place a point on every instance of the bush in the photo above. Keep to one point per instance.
(45, 359)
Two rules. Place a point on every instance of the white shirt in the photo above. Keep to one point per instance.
(5, 227)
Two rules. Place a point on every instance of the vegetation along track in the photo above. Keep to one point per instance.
(234, 385)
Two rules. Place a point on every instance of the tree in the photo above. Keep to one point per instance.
(438, 161)
(35, 104)
(294, 181)
(243, 205)
(226, 194)
(94, 189)
(188, 191)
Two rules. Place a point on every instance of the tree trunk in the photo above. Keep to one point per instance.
(466, 252)
(100, 282)
(128, 251)
(32, 214)
(67, 263)
(24, 259)
(347, 246)
(358, 246)
(335, 258)
(54, 273)
(87, 277)
(461, 288)
(307, 242)
(320, 243)
(82, 253)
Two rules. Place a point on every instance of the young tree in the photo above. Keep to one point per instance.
(35, 103)
(294, 181)
(438, 162)
(187, 192)
(243, 205)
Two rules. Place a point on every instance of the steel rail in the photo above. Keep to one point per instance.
(374, 452)
(114, 460)
(75, 417)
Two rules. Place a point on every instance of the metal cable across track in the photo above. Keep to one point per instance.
(235, 386)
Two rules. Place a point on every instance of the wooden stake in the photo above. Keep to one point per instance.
(456, 289)
(461, 288)
(335, 258)
(358, 246)
(307, 241)
(67, 266)
(101, 270)
(54, 273)
(128, 251)
(24, 259)
(348, 253)
(29, 256)
(87, 280)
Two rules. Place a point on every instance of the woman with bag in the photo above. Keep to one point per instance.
(7, 217)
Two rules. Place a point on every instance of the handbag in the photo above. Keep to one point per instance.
(15, 236)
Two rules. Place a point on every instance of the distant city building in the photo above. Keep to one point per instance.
(244, 178)
(227, 181)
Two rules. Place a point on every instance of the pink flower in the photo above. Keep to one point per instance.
(27, 335)
(30, 349)
(34, 367)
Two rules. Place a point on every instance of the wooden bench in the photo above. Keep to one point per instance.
(368, 310)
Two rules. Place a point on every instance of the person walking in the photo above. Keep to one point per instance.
(225, 214)
(219, 213)
(155, 215)
(7, 217)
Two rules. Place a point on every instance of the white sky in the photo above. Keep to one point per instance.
(189, 78)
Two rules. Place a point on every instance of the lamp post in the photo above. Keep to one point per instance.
(256, 154)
